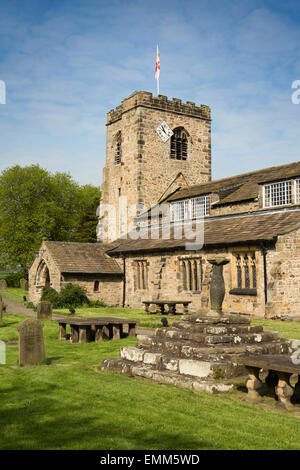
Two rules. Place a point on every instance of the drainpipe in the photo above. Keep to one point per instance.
(124, 281)
(264, 253)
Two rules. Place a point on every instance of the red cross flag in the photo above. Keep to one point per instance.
(157, 68)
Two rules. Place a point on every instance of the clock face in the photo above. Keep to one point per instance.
(164, 131)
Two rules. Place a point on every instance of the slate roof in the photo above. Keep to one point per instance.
(86, 258)
(239, 187)
(221, 231)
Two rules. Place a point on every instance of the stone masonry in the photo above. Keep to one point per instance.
(146, 170)
(198, 352)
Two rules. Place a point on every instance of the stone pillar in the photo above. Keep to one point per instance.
(217, 286)
(131, 330)
(74, 334)
(62, 335)
(253, 383)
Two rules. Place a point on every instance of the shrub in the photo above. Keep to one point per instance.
(50, 294)
(72, 295)
(97, 303)
(13, 279)
(31, 306)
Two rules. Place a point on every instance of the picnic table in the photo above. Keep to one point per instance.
(84, 330)
(280, 368)
(170, 303)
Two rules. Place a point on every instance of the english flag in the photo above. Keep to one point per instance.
(157, 65)
(157, 68)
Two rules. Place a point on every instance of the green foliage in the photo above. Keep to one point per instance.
(71, 295)
(31, 306)
(67, 405)
(96, 304)
(35, 204)
(50, 294)
(13, 279)
(85, 230)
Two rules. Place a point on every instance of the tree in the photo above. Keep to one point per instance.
(85, 230)
(35, 204)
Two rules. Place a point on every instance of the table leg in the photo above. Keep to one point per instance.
(253, 383)
(185, 309)
(284, 391)
(131, 330)
(85, 333)
(106, 332)
(172, 309)
(62, 334)
(116, 331)
(99, 333)
(74, 334)
(147, 308)
(162, 309)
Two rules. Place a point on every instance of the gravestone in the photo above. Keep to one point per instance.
(3, 284)
(44, 310)
(31, 342)
(24, 284)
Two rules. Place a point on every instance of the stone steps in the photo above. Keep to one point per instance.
(130, 369)
(182, 349)
(223, 333)
(206, 340)
(199, 353)
(201, 369)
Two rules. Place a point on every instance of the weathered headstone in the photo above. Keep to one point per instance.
(24, 284)
(31, 342)
(44, 310)
(3, 284)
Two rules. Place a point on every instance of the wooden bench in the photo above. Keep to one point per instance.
(84, 330)
(280, 369)
(170, 303)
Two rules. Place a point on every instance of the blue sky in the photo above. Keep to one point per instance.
(66, 63)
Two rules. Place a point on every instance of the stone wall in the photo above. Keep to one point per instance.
(165, 280)
(37, 275)
(146, 170)
(110, 286)
(284, 277)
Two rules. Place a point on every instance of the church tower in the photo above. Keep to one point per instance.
(144, 162)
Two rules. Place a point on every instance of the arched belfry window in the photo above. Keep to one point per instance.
(179, 144)
(118, 148)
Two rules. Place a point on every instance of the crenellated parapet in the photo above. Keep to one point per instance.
(160, 102)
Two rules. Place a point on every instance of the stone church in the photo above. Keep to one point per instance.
(157, 191)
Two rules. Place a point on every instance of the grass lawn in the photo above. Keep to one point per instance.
(68, 403)
(14, 293)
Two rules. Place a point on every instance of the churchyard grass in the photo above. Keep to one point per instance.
(14, 293)
(68, 403)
